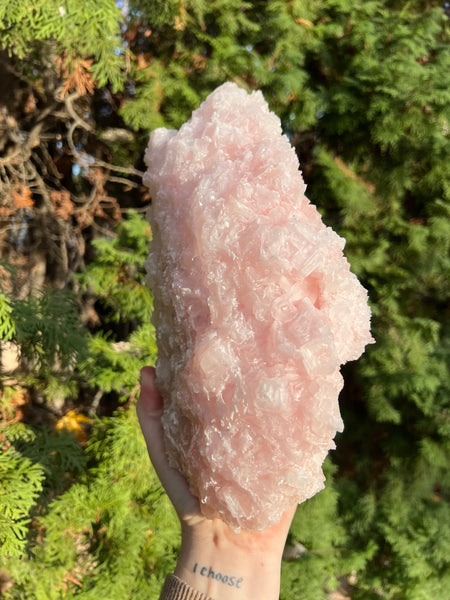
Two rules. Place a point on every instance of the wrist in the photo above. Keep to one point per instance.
(226, 565)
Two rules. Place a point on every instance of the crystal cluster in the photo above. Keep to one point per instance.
(255, 309)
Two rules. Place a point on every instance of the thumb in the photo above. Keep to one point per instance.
(150, 400)
(149, 410)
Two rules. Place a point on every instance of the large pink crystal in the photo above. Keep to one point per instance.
(255, 309)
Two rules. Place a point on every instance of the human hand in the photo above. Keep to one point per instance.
(214, 559)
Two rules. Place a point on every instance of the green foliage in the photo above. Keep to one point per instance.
(318, 527)
(106, 527)
(48, 331)
(58, 454)
(112, 534)
(87, 510)
(74, 29)
(36, 464)
(116, 366)
(20, 485)
(117, 279)
(48, 335)
(7, 326)
(116, 276)
(50, 339)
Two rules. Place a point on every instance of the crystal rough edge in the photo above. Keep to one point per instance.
(255, 310)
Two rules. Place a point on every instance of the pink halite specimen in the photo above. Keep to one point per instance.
(255, 309)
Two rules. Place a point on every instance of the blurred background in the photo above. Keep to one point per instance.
(362, 88)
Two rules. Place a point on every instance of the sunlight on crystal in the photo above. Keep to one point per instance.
(255, 309)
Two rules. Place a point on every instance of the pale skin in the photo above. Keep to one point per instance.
(248, 562)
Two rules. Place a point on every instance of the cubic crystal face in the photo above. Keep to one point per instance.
(255, 310)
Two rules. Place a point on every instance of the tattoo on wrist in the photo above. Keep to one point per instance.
(230, 580)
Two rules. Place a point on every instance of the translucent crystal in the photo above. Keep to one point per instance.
(255, 309)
